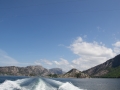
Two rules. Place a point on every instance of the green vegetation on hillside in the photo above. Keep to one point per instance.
(53, 75)
(113, 73)
(78, 75)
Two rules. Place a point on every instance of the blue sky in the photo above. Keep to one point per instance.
(59, 33)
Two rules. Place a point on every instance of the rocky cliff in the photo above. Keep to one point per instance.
(24, 71)
(74, 73)
(105, 68)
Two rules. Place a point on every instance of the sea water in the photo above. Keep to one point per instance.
(39, 83)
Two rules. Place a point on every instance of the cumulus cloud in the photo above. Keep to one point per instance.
(6, 60)
(117, 47)
(47, 62)
(37, 63)
(90, 53)
(83, 63)
(117, 44)
(81, 48)
(63, 64)
(43, 61)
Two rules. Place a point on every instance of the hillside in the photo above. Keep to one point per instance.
(113, 73)
(74, 73)
(108, 69)
(111, 68)
(24, 71)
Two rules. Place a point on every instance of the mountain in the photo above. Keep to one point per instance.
(24, 71)
(56, 71)
(74, 73)
(110, 68)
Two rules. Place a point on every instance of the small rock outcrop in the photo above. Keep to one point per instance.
(74, 73)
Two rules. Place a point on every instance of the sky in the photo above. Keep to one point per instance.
(59, 33)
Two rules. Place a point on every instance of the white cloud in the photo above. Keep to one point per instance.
(61, 62)
(81, 48)
(117, 44)
(6, 60)
(56, 62)
(117, 50)
(117, 47)
(90, 54)
(43, 61)
(37, 63)
(47, 62)
(83, 63)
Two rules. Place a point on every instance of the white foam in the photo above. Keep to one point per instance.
(37, 84)
(10, 85)
(44, 86)
(68, 86)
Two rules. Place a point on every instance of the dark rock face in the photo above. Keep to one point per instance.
(116, 61)
(24, 71)
(102, 69)
(56, 71)
(74, 73)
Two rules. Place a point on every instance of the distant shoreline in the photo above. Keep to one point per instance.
(59, 77)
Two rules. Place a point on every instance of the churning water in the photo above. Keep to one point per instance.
(38, 83)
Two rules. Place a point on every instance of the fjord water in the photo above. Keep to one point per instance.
(35, 83)
(38, 83)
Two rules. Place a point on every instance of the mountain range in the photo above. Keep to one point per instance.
(24, 71)
(108, 69)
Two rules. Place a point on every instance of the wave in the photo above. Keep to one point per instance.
(37, 84)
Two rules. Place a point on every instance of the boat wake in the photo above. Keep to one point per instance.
(37, 84)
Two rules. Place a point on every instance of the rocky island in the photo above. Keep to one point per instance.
(74, 73)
